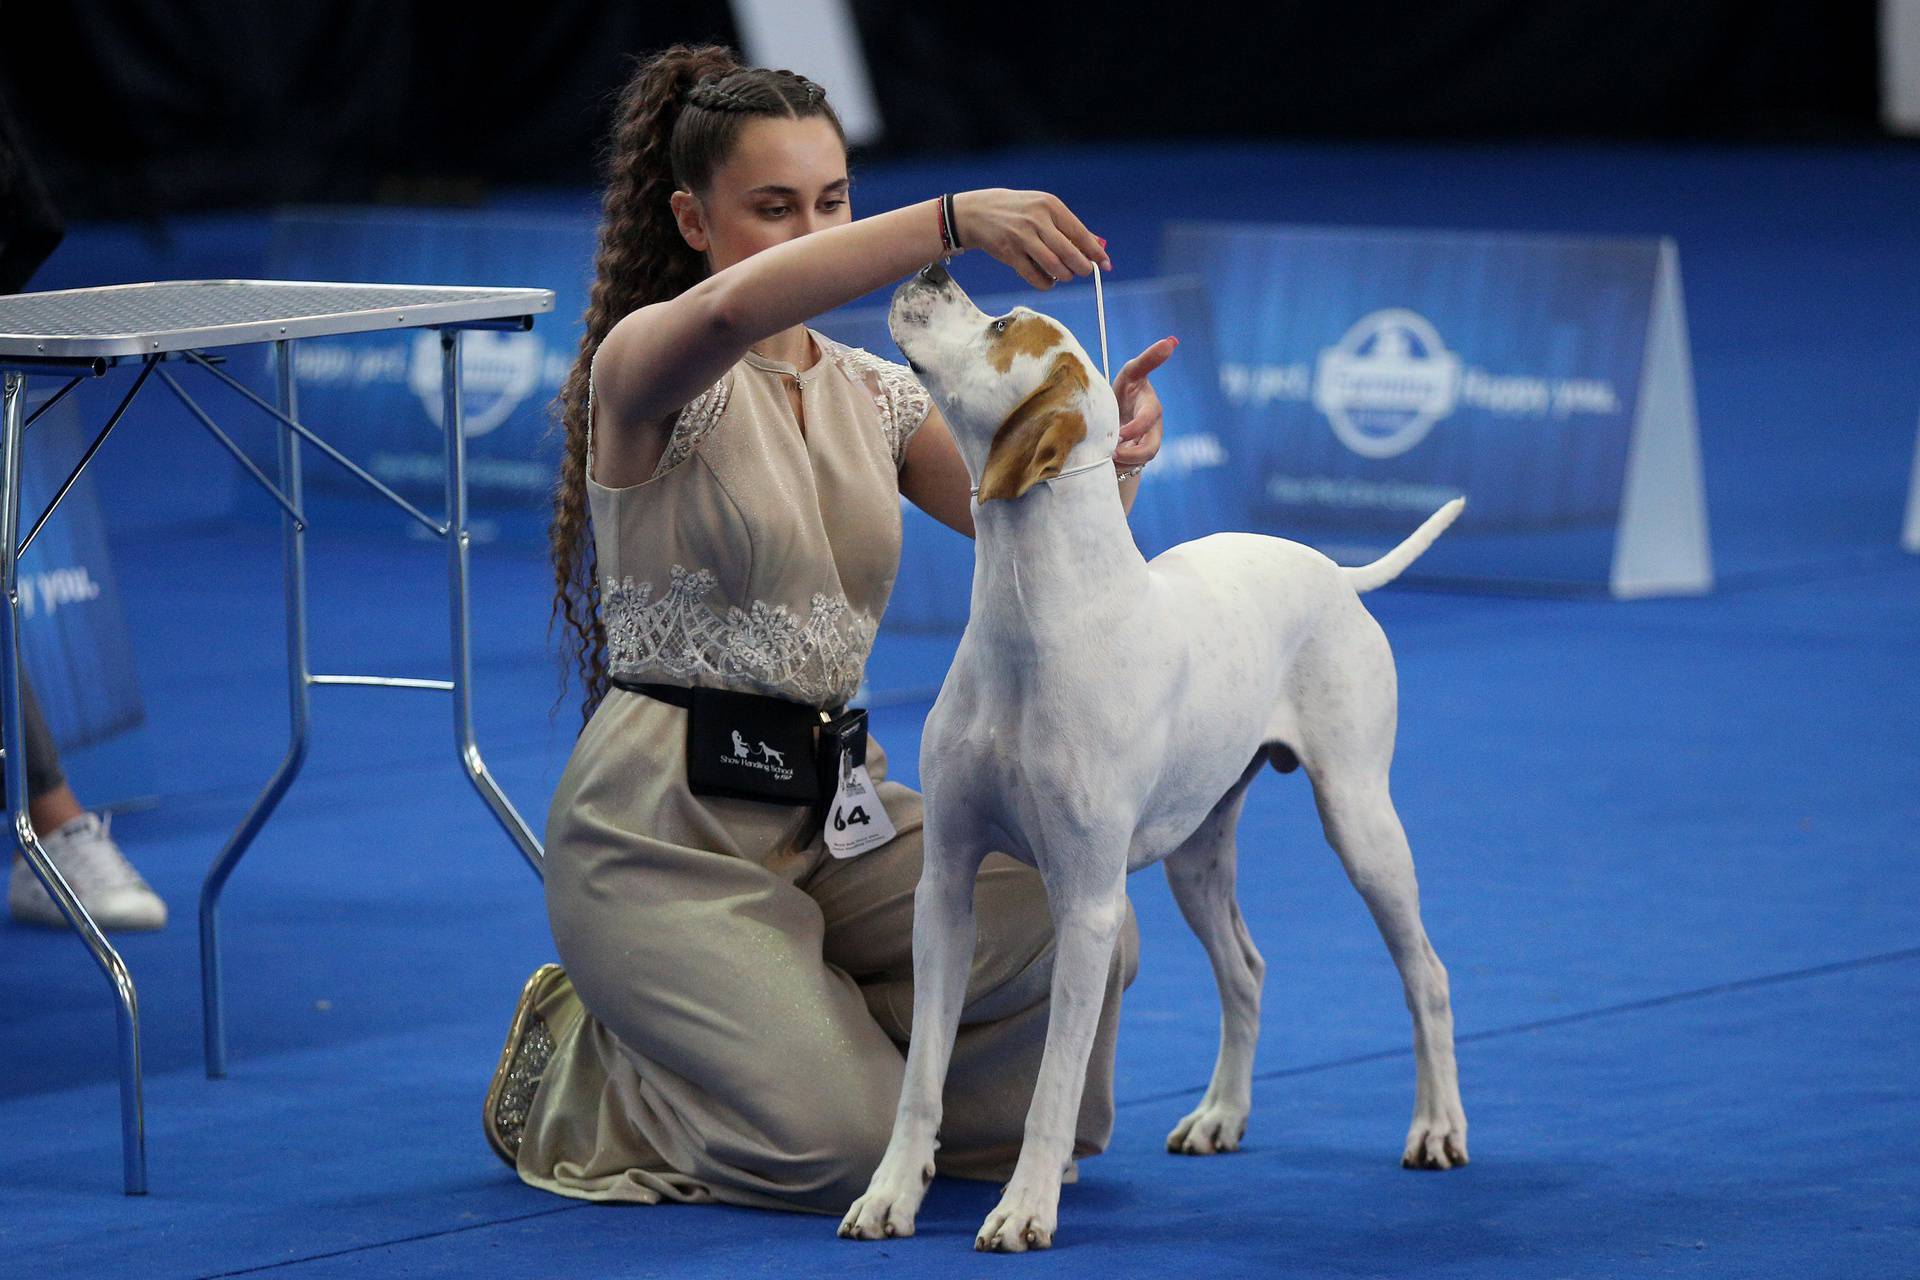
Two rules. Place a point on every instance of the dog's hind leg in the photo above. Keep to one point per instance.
(944, 936)
(1202, 872)
(1365, 831)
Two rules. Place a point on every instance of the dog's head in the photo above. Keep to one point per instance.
(1019, 392)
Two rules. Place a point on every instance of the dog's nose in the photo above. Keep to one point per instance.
(935, 274)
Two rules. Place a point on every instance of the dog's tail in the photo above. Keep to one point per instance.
(1366, 577)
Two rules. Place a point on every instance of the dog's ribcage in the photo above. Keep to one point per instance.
(1157, 714)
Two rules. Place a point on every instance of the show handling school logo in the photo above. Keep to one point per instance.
(497, 372)
(770, 761)
(1386, 382)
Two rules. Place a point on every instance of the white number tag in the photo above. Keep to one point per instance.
(856, 821)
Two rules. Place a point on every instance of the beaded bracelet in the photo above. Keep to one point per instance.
(1129, 473)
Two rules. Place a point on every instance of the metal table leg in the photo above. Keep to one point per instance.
(133, 1134)
(293, 527)
(457, 542)
(301, 680)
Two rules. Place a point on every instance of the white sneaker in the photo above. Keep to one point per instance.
(94, 868)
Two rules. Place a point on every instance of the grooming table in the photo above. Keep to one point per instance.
(77, 334)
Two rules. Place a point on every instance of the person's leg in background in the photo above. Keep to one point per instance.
(78, 842)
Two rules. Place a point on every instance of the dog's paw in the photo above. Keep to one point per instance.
(1023, 1220)
(1436, 1142)
(1209, 1129)
(887, 1210)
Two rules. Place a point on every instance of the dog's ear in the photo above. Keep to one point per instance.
(1034, 441)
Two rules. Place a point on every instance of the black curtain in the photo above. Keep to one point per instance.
(972, 76)
(30, 225)
(142, 107)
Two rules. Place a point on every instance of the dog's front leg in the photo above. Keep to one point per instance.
(943, 944)
(1086, 929)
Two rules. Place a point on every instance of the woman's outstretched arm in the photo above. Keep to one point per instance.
(663, 355)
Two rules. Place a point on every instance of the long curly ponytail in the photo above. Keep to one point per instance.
(677, 120)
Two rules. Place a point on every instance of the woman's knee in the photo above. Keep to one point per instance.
(827, 1155)
(1013, 953)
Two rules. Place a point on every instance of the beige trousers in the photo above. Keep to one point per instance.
(739, 1003)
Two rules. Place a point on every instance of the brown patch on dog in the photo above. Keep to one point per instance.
(1027, 336)
(1034, 441)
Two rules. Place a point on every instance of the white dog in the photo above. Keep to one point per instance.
(1104, 713)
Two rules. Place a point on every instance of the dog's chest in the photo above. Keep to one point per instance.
(1013, 774)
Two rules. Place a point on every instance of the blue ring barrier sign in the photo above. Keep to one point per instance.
(75, 647)
(1373, 375)
(376, 396)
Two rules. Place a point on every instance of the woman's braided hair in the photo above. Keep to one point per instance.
(678, 118)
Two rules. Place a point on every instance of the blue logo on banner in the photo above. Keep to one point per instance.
(1386, 383)
(498, 373)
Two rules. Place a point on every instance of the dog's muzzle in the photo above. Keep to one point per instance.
(913, 304)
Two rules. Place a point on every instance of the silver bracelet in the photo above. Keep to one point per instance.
(1130, 472)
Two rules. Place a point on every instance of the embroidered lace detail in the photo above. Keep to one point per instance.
(903, 403)
(817, 659)
(699, 418)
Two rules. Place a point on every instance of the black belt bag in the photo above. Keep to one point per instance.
(746, 746)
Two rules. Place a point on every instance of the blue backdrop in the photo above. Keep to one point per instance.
(1376, 374)
(75, 648)
(1334, 386)
(377, 396)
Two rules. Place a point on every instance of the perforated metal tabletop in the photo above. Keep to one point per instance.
(175, 315)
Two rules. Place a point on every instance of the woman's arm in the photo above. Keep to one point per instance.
(934, 475)
(662, 356)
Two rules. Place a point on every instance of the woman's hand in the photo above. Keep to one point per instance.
(1140, 414)
(1031, 231)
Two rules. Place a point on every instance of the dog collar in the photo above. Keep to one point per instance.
(974, 492)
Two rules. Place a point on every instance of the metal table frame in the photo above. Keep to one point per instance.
(233, 313)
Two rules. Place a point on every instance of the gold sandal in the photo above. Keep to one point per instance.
(529, 1047)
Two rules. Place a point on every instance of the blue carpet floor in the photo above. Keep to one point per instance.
(1667, 852)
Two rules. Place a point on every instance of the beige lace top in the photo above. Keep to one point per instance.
(753, 557)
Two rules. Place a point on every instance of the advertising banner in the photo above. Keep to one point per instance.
(1186, 491)
(1374, 375)
(75, 648)
(376, 396)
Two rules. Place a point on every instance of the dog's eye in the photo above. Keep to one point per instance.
(999, 326)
